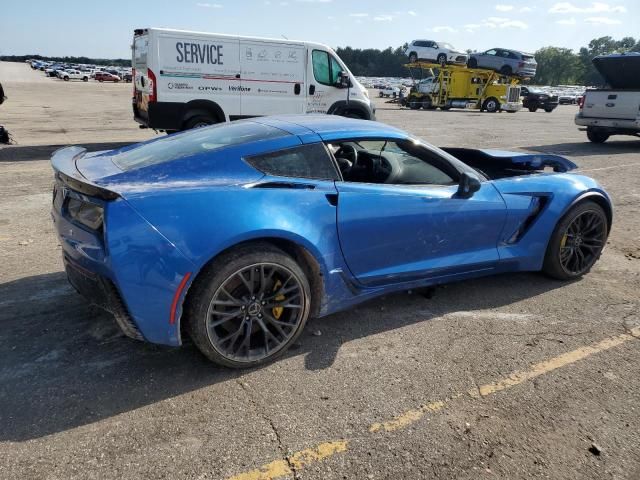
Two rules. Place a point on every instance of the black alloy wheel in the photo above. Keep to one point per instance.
(577, 241)
(249, 306)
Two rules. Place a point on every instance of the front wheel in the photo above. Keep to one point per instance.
(249, 306)
(576, 242)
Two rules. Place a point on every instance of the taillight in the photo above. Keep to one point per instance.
(581, 102)
(153, 94)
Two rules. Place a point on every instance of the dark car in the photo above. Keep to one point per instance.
(507, 62)
(535, 98)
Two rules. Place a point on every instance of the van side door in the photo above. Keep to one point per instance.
(272, 78)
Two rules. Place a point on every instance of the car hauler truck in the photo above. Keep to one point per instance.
(454, 86)
(189, 79)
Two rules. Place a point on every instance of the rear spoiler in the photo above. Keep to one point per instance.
(533, 162)
(63, 162)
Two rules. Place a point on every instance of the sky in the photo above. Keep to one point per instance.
(104, 29)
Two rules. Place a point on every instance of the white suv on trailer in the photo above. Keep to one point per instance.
(439, 52)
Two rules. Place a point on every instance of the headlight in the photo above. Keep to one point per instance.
(88, 214)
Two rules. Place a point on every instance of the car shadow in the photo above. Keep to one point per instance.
(21, 153)
(64, 363)
(613, 146)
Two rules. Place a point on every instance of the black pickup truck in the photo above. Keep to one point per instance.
(534, 98)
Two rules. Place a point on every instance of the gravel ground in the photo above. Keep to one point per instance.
(400, 387)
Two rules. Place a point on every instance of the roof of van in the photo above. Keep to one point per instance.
(191, 32)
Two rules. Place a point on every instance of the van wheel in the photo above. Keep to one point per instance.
(198, 121)
(597, 136)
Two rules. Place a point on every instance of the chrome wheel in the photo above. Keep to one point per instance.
(255, 312)
(582, 242)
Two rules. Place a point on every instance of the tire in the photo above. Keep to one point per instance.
(219, 289)
(442, 60)
(491, 105)
(198, 121)
(472, 63)
(597, 136)
(561, 254)
(506, 70)
(533, 109)
(413, 57)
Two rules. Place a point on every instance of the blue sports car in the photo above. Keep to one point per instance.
(235, 234)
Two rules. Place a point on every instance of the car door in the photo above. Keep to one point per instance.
(395, 232)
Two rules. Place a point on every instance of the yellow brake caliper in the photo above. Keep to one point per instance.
(277, 311)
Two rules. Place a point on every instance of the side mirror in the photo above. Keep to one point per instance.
(469, 184)
(343, 80)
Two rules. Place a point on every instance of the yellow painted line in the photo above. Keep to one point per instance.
(407, 418)
(553, 364)
(282, 468)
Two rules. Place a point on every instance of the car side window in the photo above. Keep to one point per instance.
(321, 72)
(307, 161)
(392, 162)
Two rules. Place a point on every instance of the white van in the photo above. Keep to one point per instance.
(189, 79)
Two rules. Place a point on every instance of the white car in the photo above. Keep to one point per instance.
(439, 52)
(389, 91)
(71, 74)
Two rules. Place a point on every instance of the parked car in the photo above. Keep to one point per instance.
(439, 52)
(237, 233)
(614, 109)
(535, 98)
(389, 91)
(106, 77)
(72, 74)
(507, 62)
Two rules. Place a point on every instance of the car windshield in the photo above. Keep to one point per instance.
(193, 142)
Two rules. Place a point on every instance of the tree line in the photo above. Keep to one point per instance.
(556, 66)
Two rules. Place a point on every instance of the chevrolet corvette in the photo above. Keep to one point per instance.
(235, 234)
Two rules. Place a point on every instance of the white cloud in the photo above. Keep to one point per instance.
(596, 7)
(358, 15)
(566, 21)
(504, 8)
(209, 5)
(383, 18)
(496, 22)
(443, 28)
(602, 21)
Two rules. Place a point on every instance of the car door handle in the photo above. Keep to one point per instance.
(312, 89)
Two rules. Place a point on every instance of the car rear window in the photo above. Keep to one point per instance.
(307, 161)
(193, 142)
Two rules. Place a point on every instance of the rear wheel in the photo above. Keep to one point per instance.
(576, 242)
(198, 121)
(597, 136)
(249, 306)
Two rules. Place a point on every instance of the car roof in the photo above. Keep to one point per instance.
(330, 127)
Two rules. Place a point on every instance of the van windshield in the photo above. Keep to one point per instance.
(194, 142)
